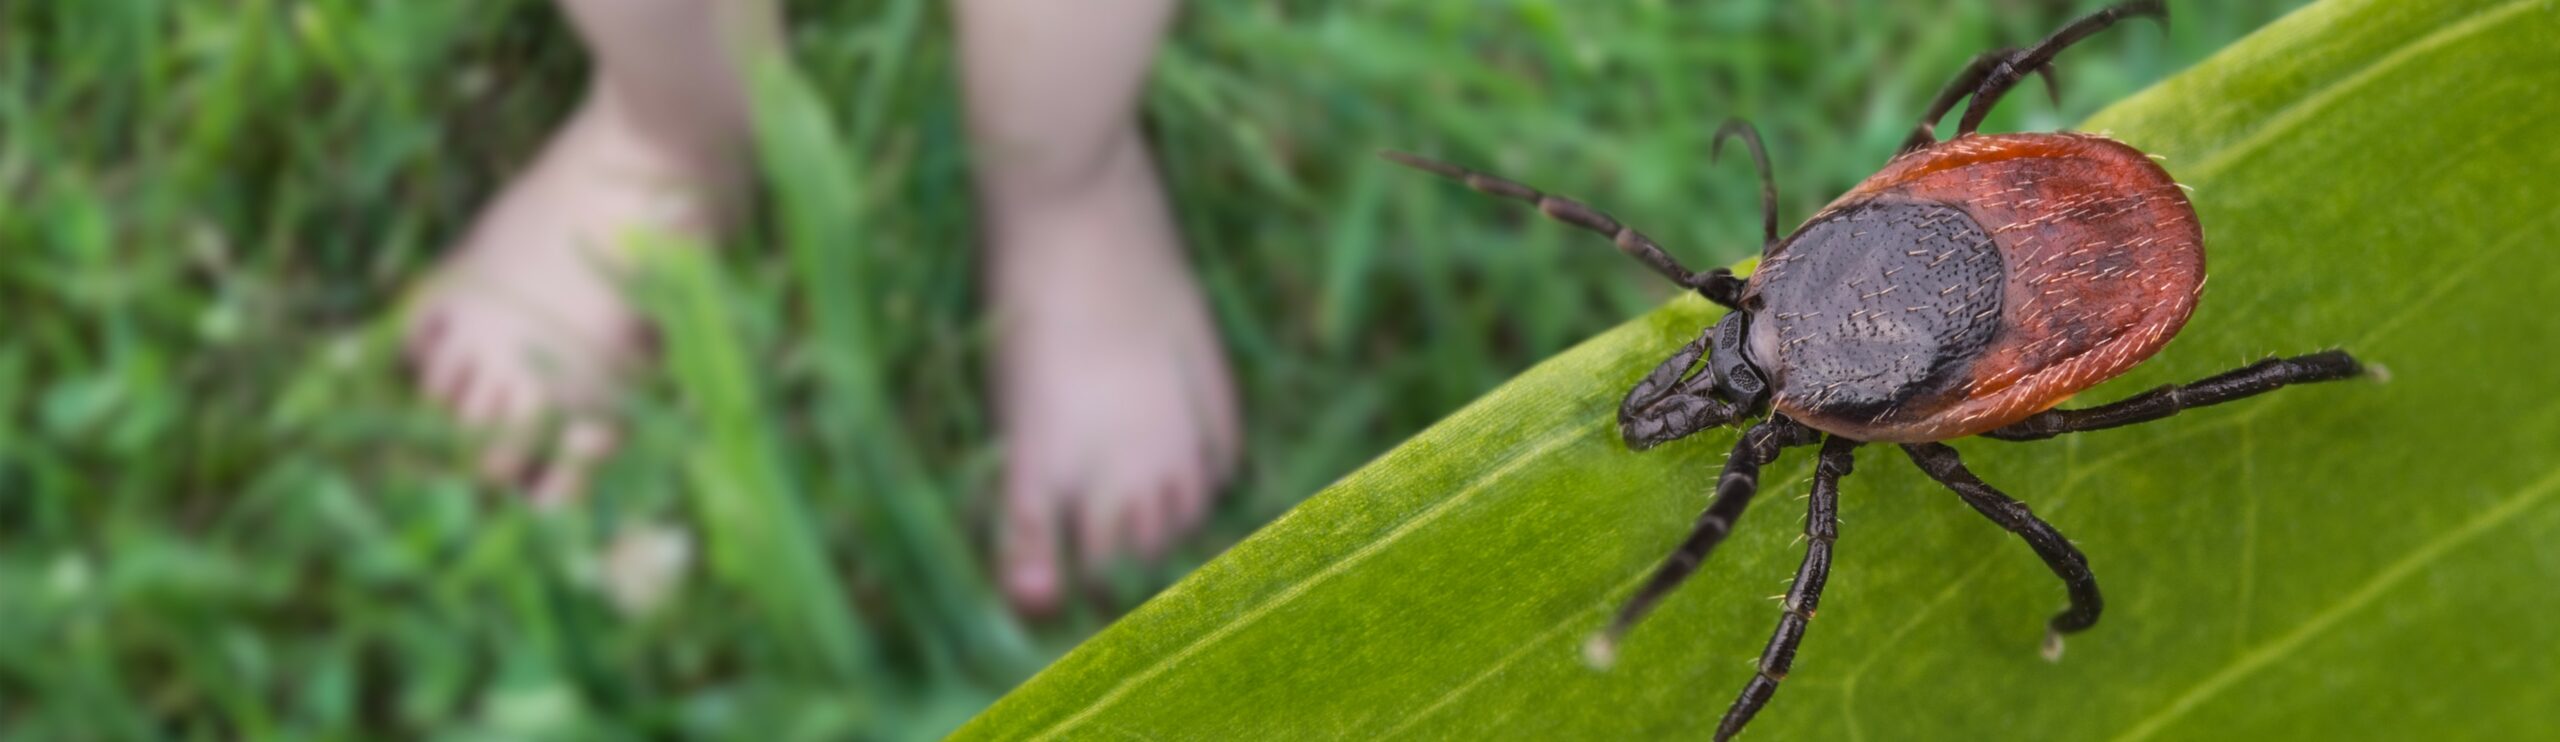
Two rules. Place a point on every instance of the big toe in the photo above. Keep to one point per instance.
(1150, 523)
(1030, 555)
(1178, 506)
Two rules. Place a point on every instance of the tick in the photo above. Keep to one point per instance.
(1966, 289)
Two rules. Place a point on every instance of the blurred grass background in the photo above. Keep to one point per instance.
(222, 514)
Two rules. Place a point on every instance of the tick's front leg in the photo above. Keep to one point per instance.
(1669, 404)
(1734, 490)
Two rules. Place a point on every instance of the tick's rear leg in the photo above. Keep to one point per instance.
(1741, 479)
(1669, 404)
(1821, 528)
(2005, 74)
(1943, 465)
(2256, 378)
(1965, 82)
(1718, 285)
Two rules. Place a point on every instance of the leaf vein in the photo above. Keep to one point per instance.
(2298, 114)
(1578, 618)
(2372, 590)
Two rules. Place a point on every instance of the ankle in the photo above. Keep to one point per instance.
(1021, 178)
(677, 66)
(1107, 204)
(704, 136)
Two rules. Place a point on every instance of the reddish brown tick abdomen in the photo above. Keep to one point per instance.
(1885, 318)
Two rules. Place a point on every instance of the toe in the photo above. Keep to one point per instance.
(481, 405)
(507, 455)
(1215, 465)
(1184, 498)
(1101, 530)
(448, 377)
(423, 337)
(584, 443)
(1185, 507)
(1028, 547)
(1222, 432)
(1149, 523)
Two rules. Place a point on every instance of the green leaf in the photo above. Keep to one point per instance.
(2358, 560)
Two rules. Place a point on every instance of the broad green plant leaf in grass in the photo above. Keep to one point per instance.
(2353, 560)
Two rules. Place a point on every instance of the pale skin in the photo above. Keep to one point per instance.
(1115, 402)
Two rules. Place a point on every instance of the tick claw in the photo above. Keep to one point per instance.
(1600, 653)
(2052, 646)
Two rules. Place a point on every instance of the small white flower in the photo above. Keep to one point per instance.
(643, 565)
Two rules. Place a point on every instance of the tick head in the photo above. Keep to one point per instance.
(1738, 380)
(1673, 402)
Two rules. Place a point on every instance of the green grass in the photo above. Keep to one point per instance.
(222, 514)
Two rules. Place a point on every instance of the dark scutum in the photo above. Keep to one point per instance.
(1877, 304)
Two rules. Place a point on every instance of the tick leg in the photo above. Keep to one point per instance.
(2256, 378)
(1821, 528)
(2006, 73)
(1741, 479)
(1943, 465)
(1669, 404)
(1719, 285)
(1926, 133)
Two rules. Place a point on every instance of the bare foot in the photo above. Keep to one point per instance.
(523, 332)
(1120, 418)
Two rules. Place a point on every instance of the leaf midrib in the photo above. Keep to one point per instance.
(2302, 112)
(1586, 618)
(2267, 653)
